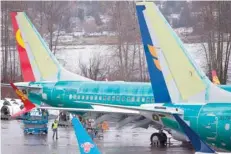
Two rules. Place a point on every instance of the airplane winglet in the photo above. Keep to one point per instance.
(198, 144)
(28, 106)
(86, 145)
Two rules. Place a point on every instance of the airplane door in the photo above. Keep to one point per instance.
(59, 95)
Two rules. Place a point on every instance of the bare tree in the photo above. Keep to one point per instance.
(55, 16)
(127, 51)
(9, 67)
(95, 68)
(216, 20)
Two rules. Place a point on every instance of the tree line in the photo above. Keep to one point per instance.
(210, 21)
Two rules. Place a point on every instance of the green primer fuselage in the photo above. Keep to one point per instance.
(212, 121)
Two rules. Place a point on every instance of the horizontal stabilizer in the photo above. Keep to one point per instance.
(28, 106)
(23, 85)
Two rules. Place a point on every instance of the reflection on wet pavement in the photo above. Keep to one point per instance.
(134, 141)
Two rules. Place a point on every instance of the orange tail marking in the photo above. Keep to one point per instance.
(215, 78)
(28, 106)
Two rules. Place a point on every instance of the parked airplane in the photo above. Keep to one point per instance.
(10, 107)
(34, 68)
(209, 118)
(206, 107)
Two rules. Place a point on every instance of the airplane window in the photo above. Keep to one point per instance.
(96, 98)
(118, 98)
(104, 98)
(123, 98)
(78, 97)
(100, 98)
(91, 97)
(109, 98)
(133, 99)
(152, 100)
(148, 100)
(87, 97)
(128, 99)
(138, 99)
(70, 96)
(83, 97)
(113, 98)
(44, 95)
(143, 99)
(74, 97)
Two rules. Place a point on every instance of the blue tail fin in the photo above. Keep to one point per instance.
(86, 145)
(184, 80)
(159, 87)
(197, 143)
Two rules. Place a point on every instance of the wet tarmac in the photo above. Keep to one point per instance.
(128, 141)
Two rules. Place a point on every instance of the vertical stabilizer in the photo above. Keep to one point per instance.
(159, 87)
(184, 79)
(215, 77)
(36, 58)
(26, 68)
(28, 106)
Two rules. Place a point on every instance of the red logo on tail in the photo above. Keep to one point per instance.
(87, 147)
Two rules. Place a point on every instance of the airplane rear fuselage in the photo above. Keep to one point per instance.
(212, 121)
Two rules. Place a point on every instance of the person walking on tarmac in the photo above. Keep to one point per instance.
(55, 129)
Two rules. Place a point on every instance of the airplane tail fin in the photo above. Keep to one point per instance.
(159, 87)
(185, 81)
(215, 77)
(216, 81)
(28, 106)
(37, 61)
(86, 145)
(26, 68)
